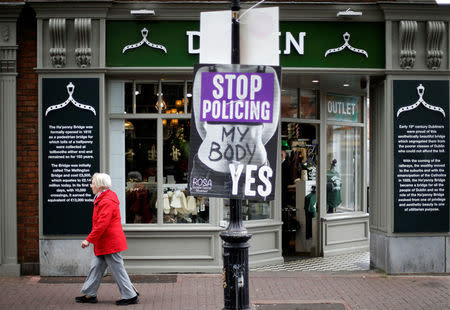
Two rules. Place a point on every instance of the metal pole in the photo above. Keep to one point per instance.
(235, 246)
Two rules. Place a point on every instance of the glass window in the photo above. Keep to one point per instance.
(308, 104)
(189, 97)
(344, 108)
(147, 98)
(172, 98)
(178, 207)
(140, 168)
(289, 103)
(344, 169)
(137, 160)
(129, 98)
(251, 210)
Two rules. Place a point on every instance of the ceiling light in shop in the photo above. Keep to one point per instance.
(315, 81)
(346, 85)
(138, 90)
(163, 105)
(129, 125)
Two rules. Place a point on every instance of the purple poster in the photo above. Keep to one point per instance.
(233, 145)
(236, 97)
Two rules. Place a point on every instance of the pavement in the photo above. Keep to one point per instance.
(289, 286)
(268, 290)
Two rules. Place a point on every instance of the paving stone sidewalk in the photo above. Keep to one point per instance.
(342, 290)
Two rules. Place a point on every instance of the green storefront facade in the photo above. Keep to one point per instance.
(339, 77)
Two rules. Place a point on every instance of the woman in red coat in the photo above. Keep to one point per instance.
(109, 240)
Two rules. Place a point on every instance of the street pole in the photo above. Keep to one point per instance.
(235, 246)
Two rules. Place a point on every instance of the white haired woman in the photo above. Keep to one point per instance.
(109, 240)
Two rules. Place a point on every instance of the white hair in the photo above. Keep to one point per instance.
(101, 180)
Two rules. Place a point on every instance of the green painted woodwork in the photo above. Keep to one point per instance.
(320, 36)
(171, 34)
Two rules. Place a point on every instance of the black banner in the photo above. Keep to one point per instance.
(234, 131)
(70, 153)
(421, 161)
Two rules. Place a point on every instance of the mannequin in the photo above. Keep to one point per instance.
(333, 188)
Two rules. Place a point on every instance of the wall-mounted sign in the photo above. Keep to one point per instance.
(70, 153)
(144, 33)
(301, 44)
(346, 45)
(235, 113)
(343, 108)
(421, 162)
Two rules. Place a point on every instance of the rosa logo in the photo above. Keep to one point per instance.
(201, 182)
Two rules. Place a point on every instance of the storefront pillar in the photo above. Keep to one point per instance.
(8, 172)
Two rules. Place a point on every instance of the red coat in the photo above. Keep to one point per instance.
(107, 234)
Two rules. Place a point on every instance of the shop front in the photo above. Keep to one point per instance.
(115, 95)
(129, 103)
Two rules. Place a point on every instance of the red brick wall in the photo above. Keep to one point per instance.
(27, 141)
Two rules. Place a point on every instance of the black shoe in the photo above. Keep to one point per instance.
(129, 301)
(85, 299)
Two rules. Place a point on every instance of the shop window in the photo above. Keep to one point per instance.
(178, 206)
(344, 108)
(140, 169)
(309, 104)
(251, 210)
(128, 98)
(189, 97)
(289, 103)
(147, 99)
(172, 99)
(133, 151)
(344, 169)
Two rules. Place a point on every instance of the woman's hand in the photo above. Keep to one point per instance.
(85, 244)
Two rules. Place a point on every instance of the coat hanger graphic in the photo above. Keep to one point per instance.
(144, 33)
(346, 39)
(420, 91)
(70, 89)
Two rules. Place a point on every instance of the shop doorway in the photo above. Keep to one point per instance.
(324, 147)
(299, 190)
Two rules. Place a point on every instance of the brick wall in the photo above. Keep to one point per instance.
(27, 145)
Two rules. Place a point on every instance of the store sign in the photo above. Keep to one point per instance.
(343, 108)
(302, 44)
(234, 131)
(421, 161)
(70, 153)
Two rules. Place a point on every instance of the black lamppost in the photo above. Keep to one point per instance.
(235, 246)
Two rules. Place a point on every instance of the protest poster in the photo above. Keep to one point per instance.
(234, 131)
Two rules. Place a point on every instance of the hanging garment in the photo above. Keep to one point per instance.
(310, 203)
(166, 204)
(191, 205)
(179, 201)
(176, 204)
(310, 213)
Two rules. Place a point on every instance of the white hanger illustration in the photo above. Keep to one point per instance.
(421, 91)
(70, 89)
(144, 33)
(346, 39)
